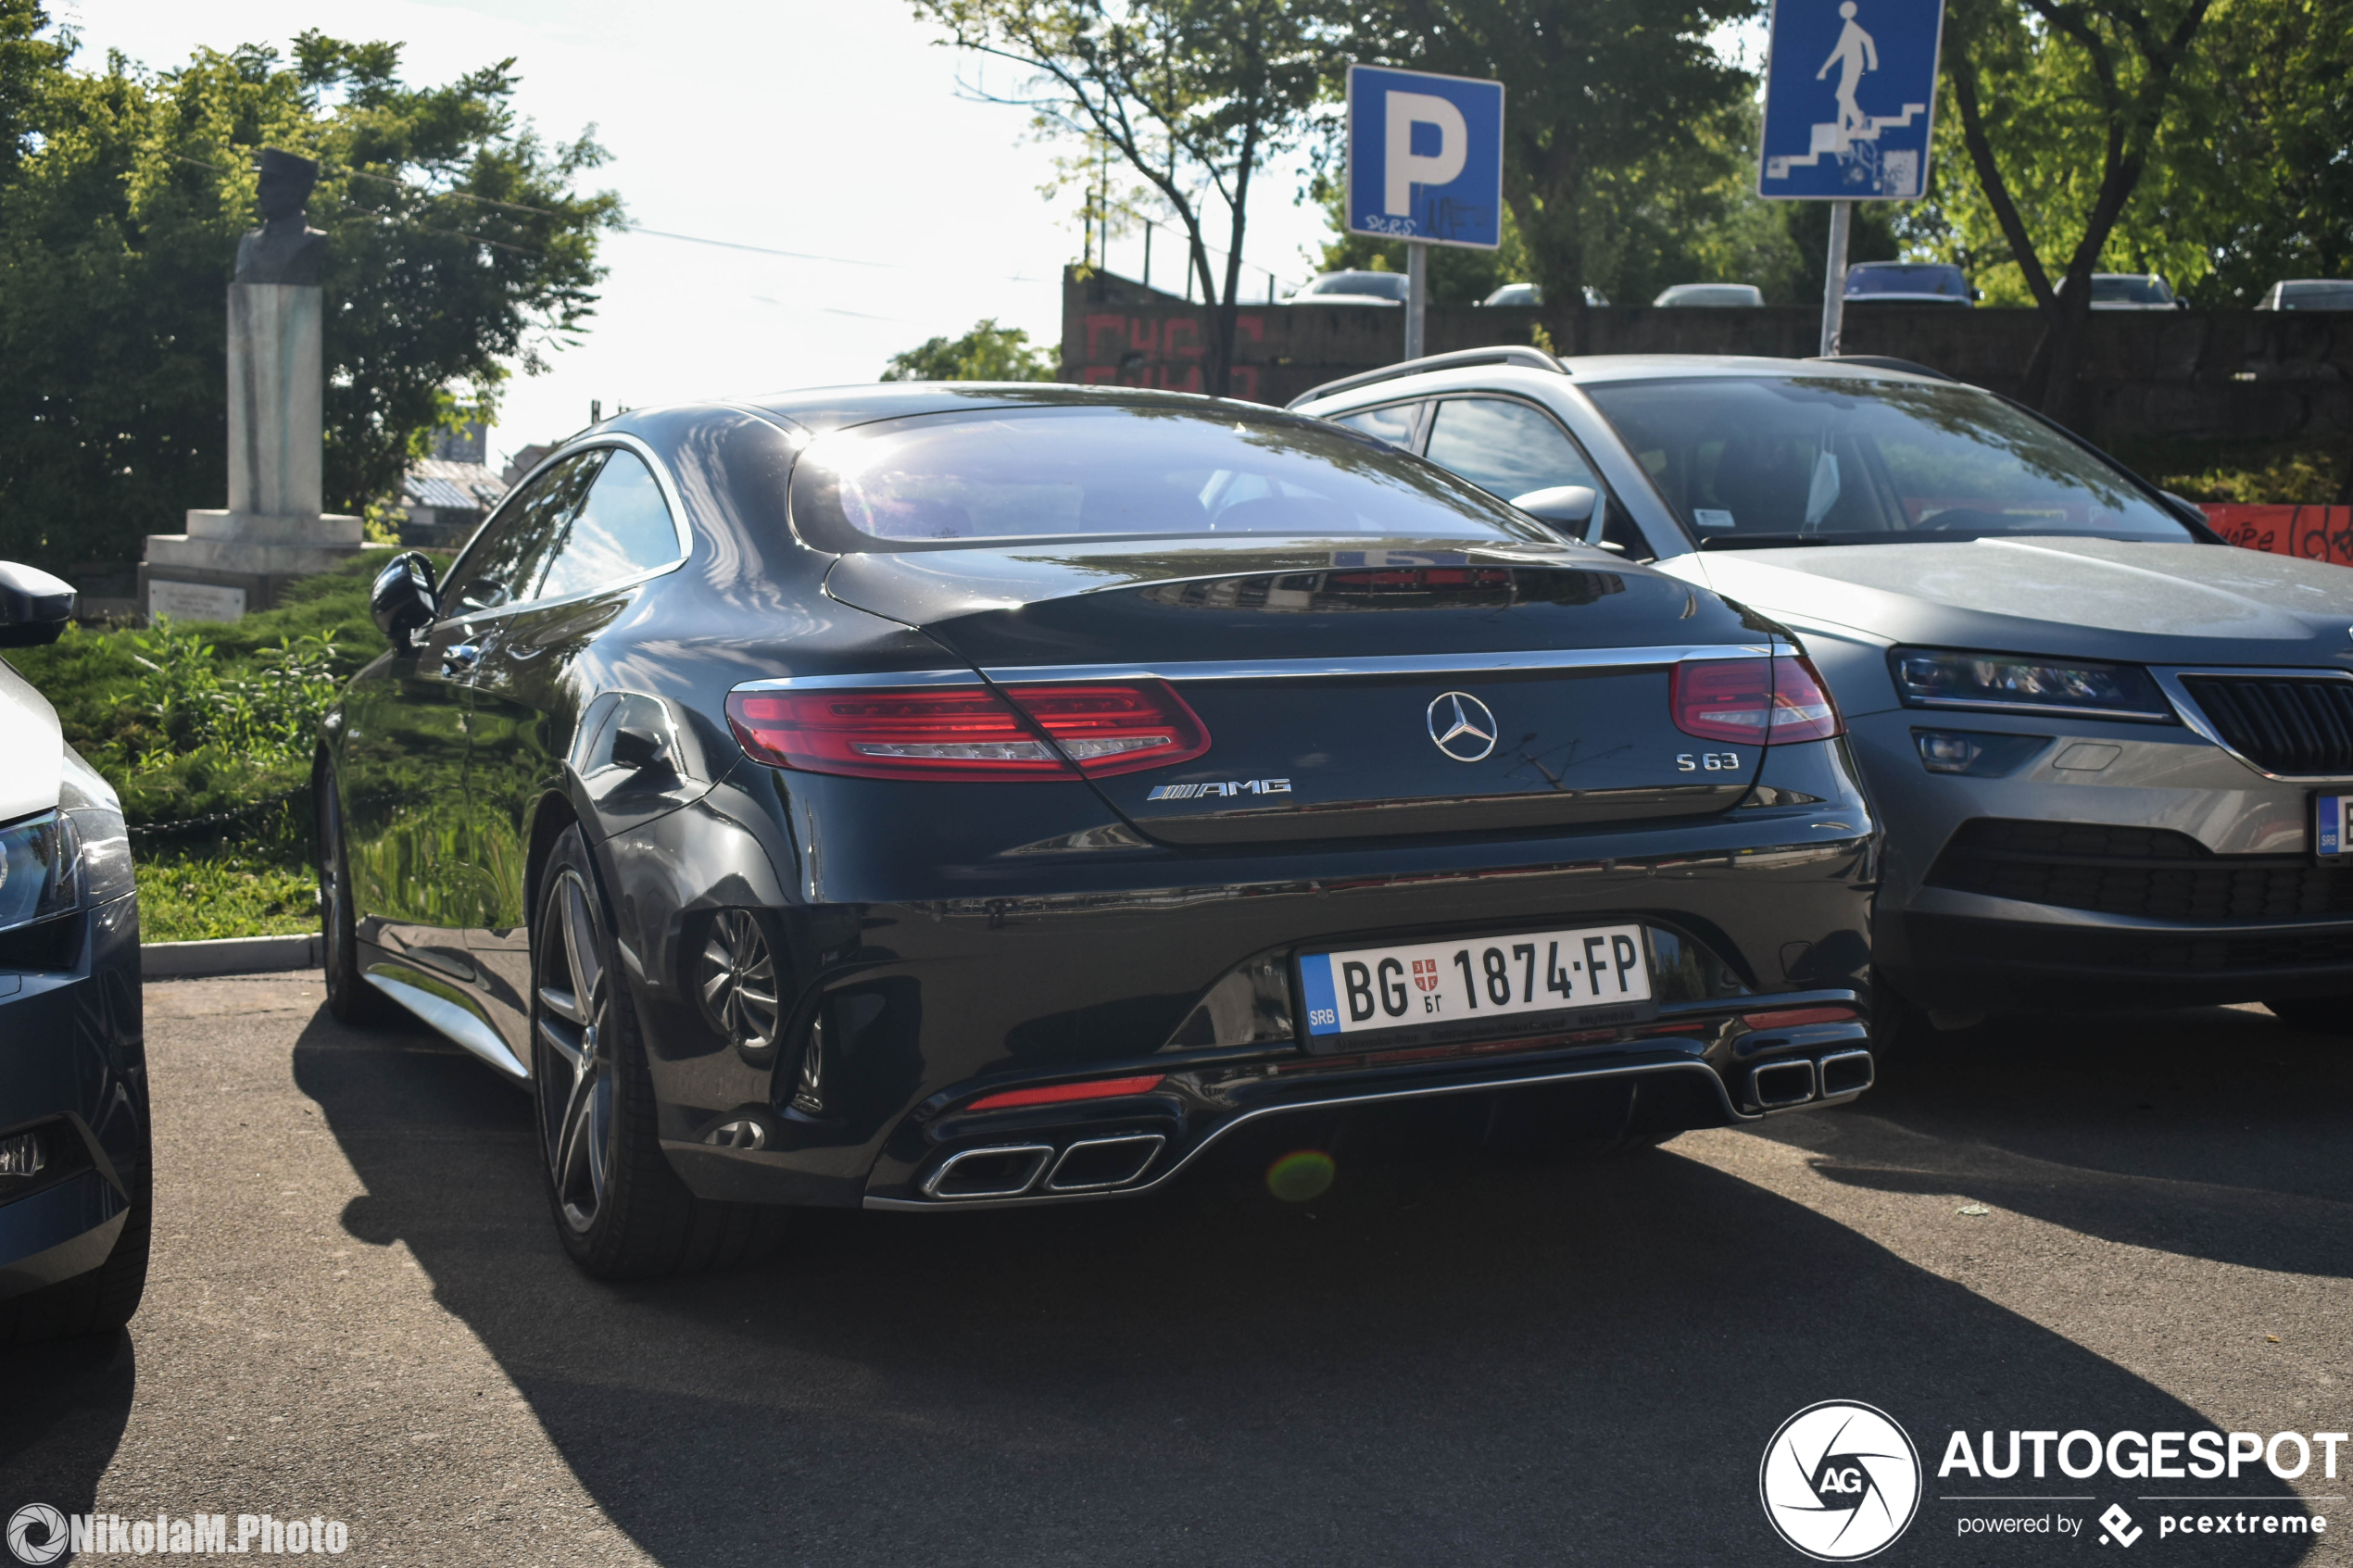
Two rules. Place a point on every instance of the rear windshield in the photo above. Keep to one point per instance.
(2316, 296)
(1905, 279)
(1764, 461)
(2131, 291)
(1125, 471)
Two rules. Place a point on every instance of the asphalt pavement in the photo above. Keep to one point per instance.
(357, 1312)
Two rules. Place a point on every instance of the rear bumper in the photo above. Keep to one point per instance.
(73, 1068)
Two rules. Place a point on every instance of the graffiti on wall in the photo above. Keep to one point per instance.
(2307, 532)
(1166, 351)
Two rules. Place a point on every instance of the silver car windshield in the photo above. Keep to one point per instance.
(1763, 461)
(1111, 471)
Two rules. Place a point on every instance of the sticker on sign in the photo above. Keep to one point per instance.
(1453, 986)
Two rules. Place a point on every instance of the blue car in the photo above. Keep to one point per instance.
(75, 1182)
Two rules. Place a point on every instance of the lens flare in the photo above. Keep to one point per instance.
(1302, 1175)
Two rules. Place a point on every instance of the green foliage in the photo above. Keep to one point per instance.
(989, 352)
(1191, 96)
(203, 892)
(456, 243)
(185, 721)
(2295, 478)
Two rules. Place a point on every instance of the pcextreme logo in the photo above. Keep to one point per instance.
(1841, 1481)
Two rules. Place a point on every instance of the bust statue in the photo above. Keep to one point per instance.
(282, 250)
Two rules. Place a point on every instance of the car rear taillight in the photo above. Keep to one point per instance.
(1116, 728)
(1753, 701)
(968, 734)
(1062, 1094)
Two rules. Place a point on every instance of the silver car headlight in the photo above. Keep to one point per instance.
(2003, 683)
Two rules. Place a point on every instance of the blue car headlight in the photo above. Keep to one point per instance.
(78, 854)
(2006, 682)
(40, 870)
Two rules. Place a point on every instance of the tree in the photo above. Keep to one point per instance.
(989, 352)
(1622, 124)
(456, 247)
(2060, 107)
(1191, 94)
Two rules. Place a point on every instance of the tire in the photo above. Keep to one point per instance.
(101, 1301)
(349, 996)
(620, 1209)
(2315, 1015)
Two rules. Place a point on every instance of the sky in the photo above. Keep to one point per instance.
(831, 128)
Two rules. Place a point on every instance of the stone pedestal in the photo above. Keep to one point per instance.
(236, 561)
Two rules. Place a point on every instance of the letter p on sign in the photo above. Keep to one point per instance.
(1425, 156)
(1408, 168)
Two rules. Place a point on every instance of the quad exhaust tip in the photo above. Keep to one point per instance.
(1014, 1170)
(1778, 1085)
(1846, 1072)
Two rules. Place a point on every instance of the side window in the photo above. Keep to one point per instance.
(504, 563)
(623, 529)
(1506, 448)
(1393, 424)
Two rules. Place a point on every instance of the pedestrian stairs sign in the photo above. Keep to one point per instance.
(1849, 85)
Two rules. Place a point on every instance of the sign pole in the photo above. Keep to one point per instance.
(1416, 297)
(1835, 275)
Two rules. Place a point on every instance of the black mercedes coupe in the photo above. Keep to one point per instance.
(947, 796)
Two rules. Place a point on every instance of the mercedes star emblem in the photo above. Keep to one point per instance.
(1462, 726)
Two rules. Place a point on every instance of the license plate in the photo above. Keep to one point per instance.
(1478, 985)
(2332, 816)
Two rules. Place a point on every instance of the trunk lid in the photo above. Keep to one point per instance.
(1352, 690)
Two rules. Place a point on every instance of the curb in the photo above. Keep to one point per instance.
(231, 955)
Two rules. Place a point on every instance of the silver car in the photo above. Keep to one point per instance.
(2113, 753)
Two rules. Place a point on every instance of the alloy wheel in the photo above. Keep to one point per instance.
(738, 981)
(572, 1033)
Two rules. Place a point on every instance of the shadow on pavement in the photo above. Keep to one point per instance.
(63, 1409)
(1447, 1360)
(2212, 1133)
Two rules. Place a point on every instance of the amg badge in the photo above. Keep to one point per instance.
(1196, 792)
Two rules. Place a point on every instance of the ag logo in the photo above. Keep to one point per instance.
(1840, 1481)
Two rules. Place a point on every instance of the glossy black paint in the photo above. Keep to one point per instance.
(75, 1065)
(943, 940)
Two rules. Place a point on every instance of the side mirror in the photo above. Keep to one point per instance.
(34, 607)
(1573, 508)
(404, 600)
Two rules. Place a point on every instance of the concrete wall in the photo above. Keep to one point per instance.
(2148, 378)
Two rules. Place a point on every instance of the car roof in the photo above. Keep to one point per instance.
(1592, 370)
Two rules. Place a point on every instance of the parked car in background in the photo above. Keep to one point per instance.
(2308, 293)
(1908, 282)
(1735, 295)
(2113, 755)
(937, 796)
(1533, 294)
(76, 1206)
(1355, 288)
(2131, 291)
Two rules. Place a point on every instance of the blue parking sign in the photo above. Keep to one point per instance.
(1425, 156)
(1850, 91)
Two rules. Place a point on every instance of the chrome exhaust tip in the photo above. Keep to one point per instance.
(1776, 1086)
(1003, 1171)
(1846, 1072)
(1094, 1164)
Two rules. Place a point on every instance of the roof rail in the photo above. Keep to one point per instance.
(1509, 354)
(1878, 362)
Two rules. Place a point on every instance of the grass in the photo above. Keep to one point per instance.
(189, 721)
